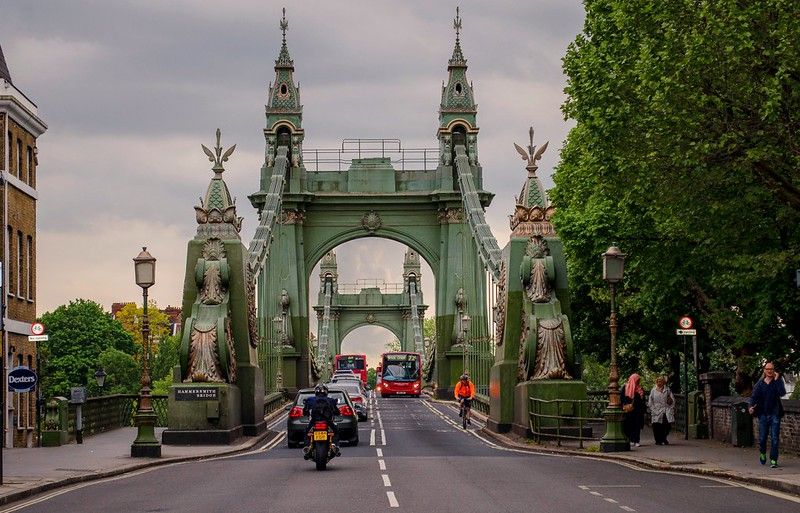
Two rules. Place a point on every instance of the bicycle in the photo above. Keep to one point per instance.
(464, 411)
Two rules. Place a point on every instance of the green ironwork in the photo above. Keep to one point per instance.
(108, 412)
(559, 417)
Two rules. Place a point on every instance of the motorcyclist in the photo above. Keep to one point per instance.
(465, 393)
(321, 408)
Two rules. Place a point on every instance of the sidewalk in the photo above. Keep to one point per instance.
(29, 471)
(705, 457)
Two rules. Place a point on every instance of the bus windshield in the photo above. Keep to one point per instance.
(400, 367)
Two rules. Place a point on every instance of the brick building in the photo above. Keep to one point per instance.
(20, 125)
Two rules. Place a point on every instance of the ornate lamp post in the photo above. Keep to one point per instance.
(279, 323)
(146, 445)
(614, 439)
(100, 377)
(465, 326)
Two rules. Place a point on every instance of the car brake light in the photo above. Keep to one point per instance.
(321, 425)
(346, 410)
(357, 399)
(416, 385)
(296, 412)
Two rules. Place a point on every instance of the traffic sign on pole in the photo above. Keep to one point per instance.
(38, 338)
(686, 322)
(37, 328)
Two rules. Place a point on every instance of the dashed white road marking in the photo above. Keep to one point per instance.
(598, 494)
(392, 500)
(383, 437)
(380, 452)
(382, 464)
(627, 508)
(386, 481)
(372, 437)
(612, 501)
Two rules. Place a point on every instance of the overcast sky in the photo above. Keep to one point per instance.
(130, 89)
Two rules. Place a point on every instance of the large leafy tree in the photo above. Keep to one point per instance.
(686, 152)
(131, 315)
(77, 334)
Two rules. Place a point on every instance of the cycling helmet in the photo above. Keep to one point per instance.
(465, 377)
(321, 390)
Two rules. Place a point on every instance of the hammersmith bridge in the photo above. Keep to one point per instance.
(502, 314)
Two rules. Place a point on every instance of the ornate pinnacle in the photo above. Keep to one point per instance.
(217, 156)
(457, 24)
(531, 156)
(284, 24)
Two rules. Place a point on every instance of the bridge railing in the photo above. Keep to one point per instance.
(566, 419)
(104, 413)
(340, 159)
(369, 283)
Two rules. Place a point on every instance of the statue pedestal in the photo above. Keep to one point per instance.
(548, 390)
(203, 414)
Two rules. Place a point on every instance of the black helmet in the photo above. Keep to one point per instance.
(465, 377)
(321, 390)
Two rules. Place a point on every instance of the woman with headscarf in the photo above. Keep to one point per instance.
(633, 405)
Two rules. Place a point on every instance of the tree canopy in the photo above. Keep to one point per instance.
(685, 153)
(77, 334)
(131, 315)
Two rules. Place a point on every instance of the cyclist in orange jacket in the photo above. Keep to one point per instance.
(465, 393)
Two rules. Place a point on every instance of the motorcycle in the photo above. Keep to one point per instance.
(321, 448)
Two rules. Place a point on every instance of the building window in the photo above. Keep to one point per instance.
(10, 271)
(19, 160)
(20, 265)
(30, 165)
(29, 267)
(10, 153)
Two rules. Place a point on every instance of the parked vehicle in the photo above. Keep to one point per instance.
(346, 419)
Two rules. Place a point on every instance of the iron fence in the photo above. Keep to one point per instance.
(557, 418)
(104, 413)
(339, 159)
(477, 361)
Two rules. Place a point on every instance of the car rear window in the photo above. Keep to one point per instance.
(336, 394)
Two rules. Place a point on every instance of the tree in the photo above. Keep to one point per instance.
(372, 378)
(131, 315)
(686, 153)
(166, 358)
(123, 373)
(77, 334)
(393, 345)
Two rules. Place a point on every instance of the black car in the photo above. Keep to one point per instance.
(346, 420)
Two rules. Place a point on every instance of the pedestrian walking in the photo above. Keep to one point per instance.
(765, 403)
(633, 407)
(662, 410)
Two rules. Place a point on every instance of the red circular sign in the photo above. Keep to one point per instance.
(686, 322)
(37, 328)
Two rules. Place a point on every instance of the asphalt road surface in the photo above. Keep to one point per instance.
(413, 457)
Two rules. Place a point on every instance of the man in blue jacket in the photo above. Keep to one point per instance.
(321, 408)
(765, 403)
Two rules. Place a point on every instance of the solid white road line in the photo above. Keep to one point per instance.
(382, 464)
(392, 500)
(386, 481)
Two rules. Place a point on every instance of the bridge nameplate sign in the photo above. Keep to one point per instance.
(196, 394)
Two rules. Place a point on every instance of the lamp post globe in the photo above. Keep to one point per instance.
(100, 377)
(614, 439)
(146, 444)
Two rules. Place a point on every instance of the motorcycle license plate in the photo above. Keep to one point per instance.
(320, 436)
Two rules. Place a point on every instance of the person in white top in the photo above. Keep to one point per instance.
(662, 410)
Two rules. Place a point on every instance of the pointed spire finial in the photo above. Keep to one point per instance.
(217, 156)
(531, 156)
(284, 24)
(457, 24)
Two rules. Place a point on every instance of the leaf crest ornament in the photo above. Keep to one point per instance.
(217, 156)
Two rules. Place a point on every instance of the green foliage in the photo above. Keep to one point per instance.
(161, 386)
(393, 345)
(78, 333)
(166, 357)
(685, 153)
(123, 373)
(372, 378)
(131, 315)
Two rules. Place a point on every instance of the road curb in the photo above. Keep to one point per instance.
(771, 484)
(44, 487)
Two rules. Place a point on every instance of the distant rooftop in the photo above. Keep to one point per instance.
(4, 73)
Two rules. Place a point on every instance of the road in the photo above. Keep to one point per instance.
(413, 457)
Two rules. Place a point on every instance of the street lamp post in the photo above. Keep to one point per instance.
(614, 439)
(146, 445)
(100, 377)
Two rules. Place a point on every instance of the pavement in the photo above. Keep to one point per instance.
(30, 471)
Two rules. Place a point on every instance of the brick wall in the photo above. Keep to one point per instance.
(790, 424)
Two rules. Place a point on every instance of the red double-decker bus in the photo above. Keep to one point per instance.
(354, 362)
(400, 373)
